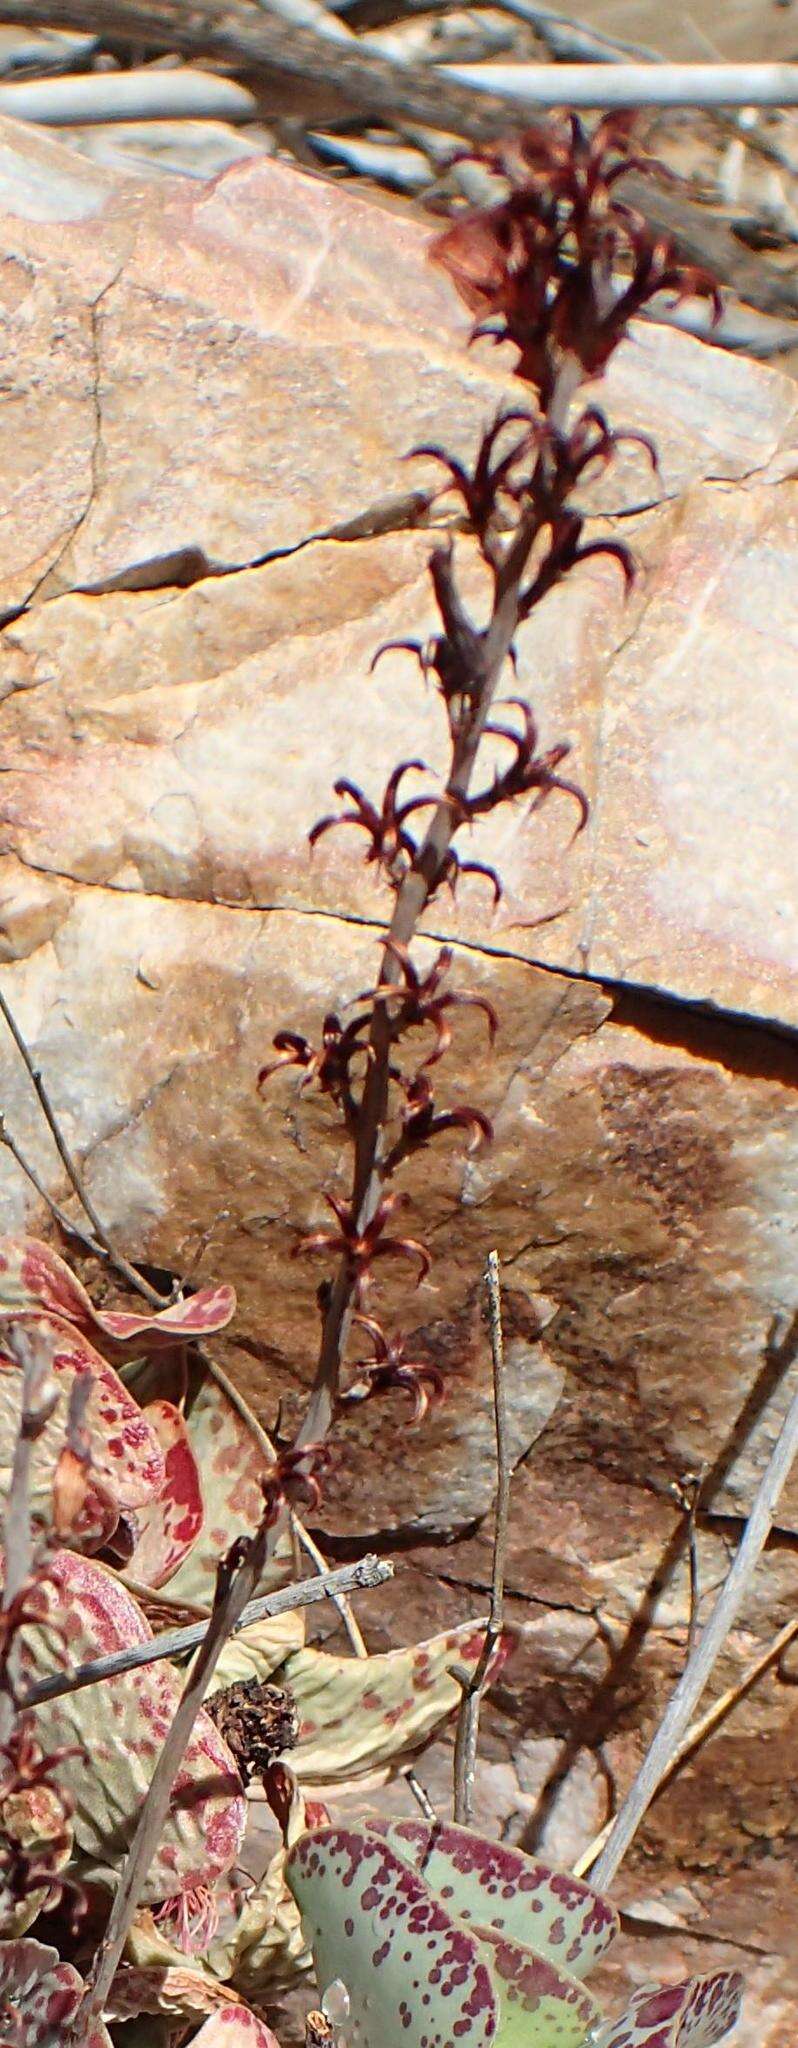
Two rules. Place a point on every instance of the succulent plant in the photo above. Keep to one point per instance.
(441, 1937)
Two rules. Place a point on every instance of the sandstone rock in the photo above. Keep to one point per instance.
(205, 379)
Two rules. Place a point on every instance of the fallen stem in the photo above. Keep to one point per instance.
(465, 1748)
(115, 1257)
(349, 1578)
(698, 1668)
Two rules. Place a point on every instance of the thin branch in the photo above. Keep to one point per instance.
(420, 1794)
(699, 1667)
(699, 1731)
(115, 1258)
(312, 1549)
(64, 1221)
(350, 1578)
(465, 1749)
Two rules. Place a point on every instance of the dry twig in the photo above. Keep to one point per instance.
(176, 1642)
(675, 1720)
(237, 1582)
(465, 1748)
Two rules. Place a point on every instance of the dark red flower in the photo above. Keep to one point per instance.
(421, 1000)
(361, 1245)
(389, 1369)
(541, 267)
(391, 846)
(421, 1122)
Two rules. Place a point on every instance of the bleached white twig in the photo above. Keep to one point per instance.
(632, 85)
(174, 1642)
(688, 1692)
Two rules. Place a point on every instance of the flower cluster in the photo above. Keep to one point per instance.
(562, 263)
(557, 267)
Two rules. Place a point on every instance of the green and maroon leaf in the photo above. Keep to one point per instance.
(541, 2007)
(118, 1728)
(168, 1526)
(232, 1454)
(494, 1885)
(412, 1972)
(234, 2026)
(34, 1277)
(127, 1463)
(359, 1714)
(39, 1997)
(693, 2014)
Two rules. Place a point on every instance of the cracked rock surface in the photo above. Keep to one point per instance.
(207, 393)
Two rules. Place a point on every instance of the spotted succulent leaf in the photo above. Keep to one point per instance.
(360, 1714)
(168, 1526)
(118, 1728)
(34, 1277)
(693, 2014)
(494, 1885)
(39, 1997)
(541, 2007)
(413, 1973)
(126, 1460)
(259, 1650)
(232, 1453)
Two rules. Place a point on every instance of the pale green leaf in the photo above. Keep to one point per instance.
(413, 1974)
(358, 1714)
(494, 1885)
(693, 2014)
(258, 1651)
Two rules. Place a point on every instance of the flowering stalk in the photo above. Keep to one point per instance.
(538, 269)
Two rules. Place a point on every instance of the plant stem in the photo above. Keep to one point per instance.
(488, 654)
(349, 1578)
(465, 1748)
(699, 1666)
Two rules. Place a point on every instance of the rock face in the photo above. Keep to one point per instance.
(207, 534)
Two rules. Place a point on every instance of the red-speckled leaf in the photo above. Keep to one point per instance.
(118, 1728)
(32, 1276)
(232, 1454)
(414, 1975)
(127, 1464)
(541, 2007)
(39, 1997)
(493, 1885)
(359, 1714)
(694, 2014)
(234, 2026)
(168, 1528)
